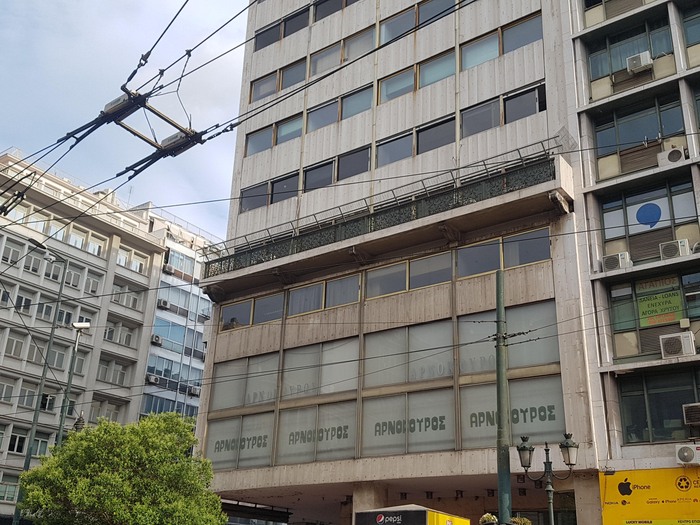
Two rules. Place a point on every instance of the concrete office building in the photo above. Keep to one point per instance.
(393, 156)
(145, 315)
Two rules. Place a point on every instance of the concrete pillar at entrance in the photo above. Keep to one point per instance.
(365, 496)
(587, 493)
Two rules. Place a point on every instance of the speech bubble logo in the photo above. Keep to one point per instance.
(649, 214)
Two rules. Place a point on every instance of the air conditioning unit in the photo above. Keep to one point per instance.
(640, 62)
(194, 391)
(169, 269)
(676, 345)
(691, 414)
(616, 261)
(665, 158)
(673, 249)
(152, 379)
(688, 454)
(163, 304)
(156, 340)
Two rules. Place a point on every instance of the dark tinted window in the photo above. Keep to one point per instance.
(285, 188)
(254, 197)
(323, 116)
(296, 22)
(294, 74)
(318, 177)
(393, 150)
(267, 37)
(436, 135)
(481, 118)
(258, 141)
(326, 8)
(353, 163)
(522, 34)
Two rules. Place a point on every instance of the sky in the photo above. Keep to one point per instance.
(63, 60)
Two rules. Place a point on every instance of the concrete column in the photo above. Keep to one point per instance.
(366, 496)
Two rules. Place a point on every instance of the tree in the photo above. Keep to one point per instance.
(139, 474)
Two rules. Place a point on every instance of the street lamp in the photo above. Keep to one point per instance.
(569, 451)
(51, 258)
(79, 327)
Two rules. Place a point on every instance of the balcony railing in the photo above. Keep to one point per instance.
(484, 180)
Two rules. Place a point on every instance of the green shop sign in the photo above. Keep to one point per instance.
(660, 308)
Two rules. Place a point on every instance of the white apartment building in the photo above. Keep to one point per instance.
(393, 155)
(147, 316)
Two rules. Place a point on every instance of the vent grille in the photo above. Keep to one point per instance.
(691, 414)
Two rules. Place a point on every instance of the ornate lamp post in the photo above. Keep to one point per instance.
(569, 451)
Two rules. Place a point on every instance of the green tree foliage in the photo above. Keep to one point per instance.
(138, 474)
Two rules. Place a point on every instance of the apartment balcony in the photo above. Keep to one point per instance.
(450, 207)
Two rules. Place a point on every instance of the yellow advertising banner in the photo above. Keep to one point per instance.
(651, 497)
(438, 518)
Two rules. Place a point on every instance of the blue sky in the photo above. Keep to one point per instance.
(63, 60)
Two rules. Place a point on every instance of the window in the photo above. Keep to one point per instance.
(481, 118)
(353, 163)
(691, 26)
(9, 487)
(268, 309)
(112, 372)
(23, 301)
(356, 103)
(436, 69)
(263, 87)
(646, 217)
(296, 22)
(325, 59)
(631, 127)
(435, 136)
(6, 389)
(284, 188)
(318, 177)
(387, 280)
(610, 55)
(324, 8)
(358, 45)
(343, 291)
(74, 276)
(522, 34)
(293, 74)
(288, 129)
(321, 117)
(396, 85)
(231, 387)
(479, 258)
(514, 36)
(524, 104)
(254, 197)
(48, 402)
(394, 149)
(18, 440)
(430, 270)
(306, 299)
(14, 345)
(32, 263)
(267, 37)
(26, 395)
(56, 357)
(434, 10)
(11, 252)
(92, 283)
(258, 141)
(396, 26)
(650, 404)
(96, 245)
(526, 248)
(77, 238)
(139, 263)
(236, 315)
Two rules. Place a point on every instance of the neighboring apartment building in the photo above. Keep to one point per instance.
(353, 364)
(146, 315)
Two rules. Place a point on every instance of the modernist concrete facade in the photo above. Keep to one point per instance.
(392, 157)
(147, 316)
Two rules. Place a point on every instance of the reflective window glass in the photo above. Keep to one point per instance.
(293, 74)
(359, 44)
(325, 59)
(389, 279)
(268, 308)
(343, 291)
(263, 87)
(267, 37)
(296, 22)
(254, 197)
(318, 177)
(289, 129)
(480, 118)
(235, 315)
(435, 136)
(396, 26)
(436, 69)
(323, 116)
(326, 8)
(434, 9)
(285, 188)
(306, 299)
(393, 150)
(479, 51)
(396, 85)
(356, 102)
(430, 270)
(521, 34)
(353, 163)
(526, 248)
(479, 258)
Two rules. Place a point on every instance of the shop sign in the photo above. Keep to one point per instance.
(660, 308)
(650, 497)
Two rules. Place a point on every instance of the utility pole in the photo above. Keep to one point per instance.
(502, 407)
